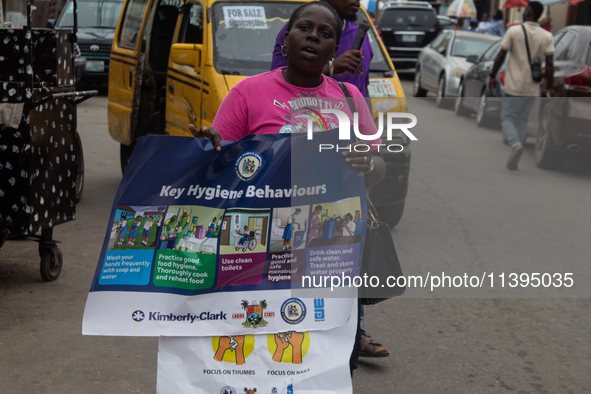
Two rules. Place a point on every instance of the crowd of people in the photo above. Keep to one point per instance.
(496, 27)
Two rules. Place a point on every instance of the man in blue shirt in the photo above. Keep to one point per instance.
(350, 66)
(497, 27)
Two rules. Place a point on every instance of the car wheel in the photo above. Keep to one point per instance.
(546, 157)
(441, 99)
(391, 214)
(79, 167)
(482, 118)
(418, 90)
(459, 104)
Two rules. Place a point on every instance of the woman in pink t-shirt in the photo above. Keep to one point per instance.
(279, 101)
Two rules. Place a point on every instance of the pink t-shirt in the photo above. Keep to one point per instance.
(266, 104)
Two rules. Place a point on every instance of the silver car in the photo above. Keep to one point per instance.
(442, 63)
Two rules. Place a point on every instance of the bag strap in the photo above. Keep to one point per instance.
(348, 97)
(526, 44)
(372, 212)
(372, 215)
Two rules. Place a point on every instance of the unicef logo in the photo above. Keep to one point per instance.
(248, 164)
(293, 311)
(138, 316)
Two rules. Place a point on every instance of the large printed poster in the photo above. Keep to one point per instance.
(203, 243)
(282, 363)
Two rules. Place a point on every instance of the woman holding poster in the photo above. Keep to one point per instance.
(311, 41)
(265, 104)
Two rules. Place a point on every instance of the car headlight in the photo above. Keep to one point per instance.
(458, 72)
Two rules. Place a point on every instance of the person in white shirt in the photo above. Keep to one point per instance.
(147, 227)
(349, 225)
(484, 24)
(520, 87)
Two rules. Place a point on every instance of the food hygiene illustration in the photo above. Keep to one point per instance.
(244, 230)
(134, 227)
(190, 229)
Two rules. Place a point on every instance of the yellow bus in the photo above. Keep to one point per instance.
(171, 65)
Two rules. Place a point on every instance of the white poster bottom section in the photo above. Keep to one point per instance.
(229, 313)
(286, 363)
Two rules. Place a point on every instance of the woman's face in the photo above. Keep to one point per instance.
(311, 42)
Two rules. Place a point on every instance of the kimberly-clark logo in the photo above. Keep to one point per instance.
(188, 317)
(345, 130)
(138, 316)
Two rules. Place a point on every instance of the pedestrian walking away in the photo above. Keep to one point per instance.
(528, 44)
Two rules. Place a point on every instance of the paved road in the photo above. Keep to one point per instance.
(464, 211)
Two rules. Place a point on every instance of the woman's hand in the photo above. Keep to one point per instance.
(360, 161)
(207, 132)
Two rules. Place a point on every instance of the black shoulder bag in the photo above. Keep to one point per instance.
(379, 253)
(536, 68)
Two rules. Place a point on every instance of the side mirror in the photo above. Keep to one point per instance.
(187, 54)
(50, 23)
(472, 59)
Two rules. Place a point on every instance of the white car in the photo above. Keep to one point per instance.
(442, 63)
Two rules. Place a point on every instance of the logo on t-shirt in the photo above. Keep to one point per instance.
(248, 164)
(287, 129)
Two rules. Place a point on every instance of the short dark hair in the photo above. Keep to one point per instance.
(337, 21)
(318, 207)
(350, 216)
(537, 8)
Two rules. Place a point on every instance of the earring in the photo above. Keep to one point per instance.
(331, 67)
(283, 54)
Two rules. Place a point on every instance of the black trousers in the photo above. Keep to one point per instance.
(357, 346)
